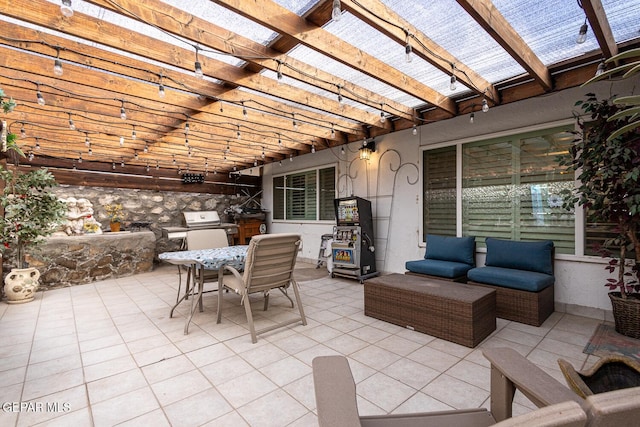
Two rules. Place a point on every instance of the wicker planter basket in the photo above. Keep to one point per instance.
(626, 313)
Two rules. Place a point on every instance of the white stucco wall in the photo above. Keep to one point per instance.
(396, 196)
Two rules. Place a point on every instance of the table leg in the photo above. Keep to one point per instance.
(196, 301)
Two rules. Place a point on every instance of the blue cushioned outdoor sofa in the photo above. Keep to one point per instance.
(522, 275)
(446, 258)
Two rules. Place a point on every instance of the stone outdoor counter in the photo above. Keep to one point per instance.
(74, 260)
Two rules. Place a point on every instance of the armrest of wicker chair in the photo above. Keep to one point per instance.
(510, 371)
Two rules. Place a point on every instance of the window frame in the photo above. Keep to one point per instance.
(317, 169)
(579, 223)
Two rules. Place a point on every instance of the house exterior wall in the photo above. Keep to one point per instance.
(392, 181)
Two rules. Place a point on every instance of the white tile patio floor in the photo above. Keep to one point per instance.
(107, 353)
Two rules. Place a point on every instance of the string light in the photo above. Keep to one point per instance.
(408, 50)
(147, 168)
(186, 142)
(79, 157)
(485, 105)
(471, 117)
(582, 33)
(57, 64)
(601, 68)
(342, 150)
(279, 72)
(161, 92)
(31, 156)
(336, 12)
(244, 111)
(122, 163)
(87, 142)
(90, 151)
(453, 81)
(133, 133)
(146, 148)
(279, 141)
(113, 165)
(72, 125)
(66, 9)
(333, 132)
(313, 148)
(382, 116)
(295, 123)
(238, 135)
(198, 66)
(37, 145)
(122, 141)
(262, 155)
(135, 155)
(186, 128)
(39, 97)
(340, 98)
(414, 130)
(123, 112)
(157, 165)
(23, 133)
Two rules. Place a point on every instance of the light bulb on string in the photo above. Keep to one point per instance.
(238, 135)
(279, 141)
(291, 157)
(134, 135)
(279, 72)
(122, 141)
(342, 150)
(147, 168)
(146, 148)
(313, 148)
(66, 9)
(87, 142)
(90, 151)
(161, 92)
(262, 155)
(601, 68)
(198, 66)
(255, 162)
(295, 122)
(471, 117)
(244, 111)
(113, 165)
(72, 125)
(39, 97)
(414, 130)
(485, 105)
(453, 83)
(582, 33)
(336, 11)
(186, 128)
(37, 145)
(23, 133)
(57, 64)
(174, 160)
(333, 132)
(123, 112)
(79, 157)
(408, 50)
(157, 165)
(31, 156)
(135, 155)
(186, 142)
(122, 163)
(340, 97)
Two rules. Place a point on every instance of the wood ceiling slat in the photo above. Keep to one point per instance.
(489, 17)
(600, 25)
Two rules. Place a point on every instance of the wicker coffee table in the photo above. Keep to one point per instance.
(455, 312)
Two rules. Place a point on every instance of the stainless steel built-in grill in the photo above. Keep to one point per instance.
(198, 220)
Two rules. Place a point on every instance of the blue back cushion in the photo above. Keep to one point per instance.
(530, 256)
(447, 248)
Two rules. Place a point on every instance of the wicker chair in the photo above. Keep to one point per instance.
(336, 399)
(609, 373)
(269, 265)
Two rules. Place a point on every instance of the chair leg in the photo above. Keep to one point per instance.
(266, 301)
(186, 290)
(284, 292)
(247, 309)
(220, 286)
(296, 292)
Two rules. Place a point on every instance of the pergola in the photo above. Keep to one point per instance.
(145, 93)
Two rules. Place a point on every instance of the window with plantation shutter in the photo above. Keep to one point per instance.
(511, 189)
(306, 195)
(439, 188)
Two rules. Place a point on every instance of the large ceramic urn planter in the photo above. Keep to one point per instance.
(626, 314)
(21, 284)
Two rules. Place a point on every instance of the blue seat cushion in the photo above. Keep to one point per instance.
(524, 280)
(434, 267)
(531, 256)
(454, 249)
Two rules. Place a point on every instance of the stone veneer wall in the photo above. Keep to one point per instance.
(159, 209)
(75, 260)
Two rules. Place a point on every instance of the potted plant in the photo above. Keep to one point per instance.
(116, 216)
(31, 213)
(607, 158)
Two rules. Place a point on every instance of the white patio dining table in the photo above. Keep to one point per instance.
(207, 259)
